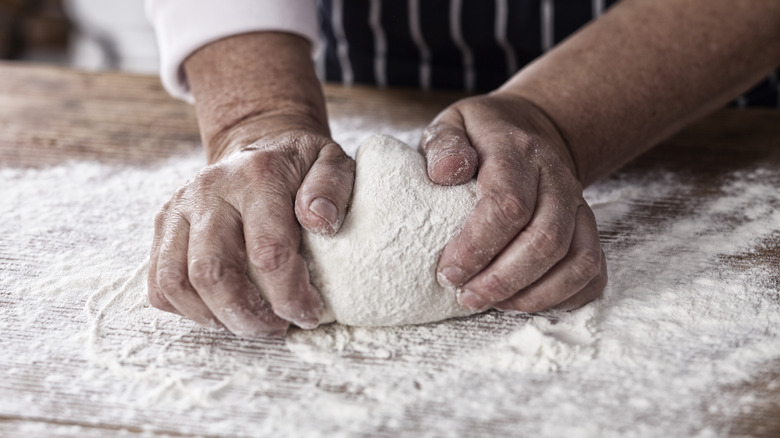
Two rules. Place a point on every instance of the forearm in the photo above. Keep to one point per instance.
(646, 69)
(252, 85)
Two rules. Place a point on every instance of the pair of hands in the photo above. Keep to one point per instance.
(530, 243)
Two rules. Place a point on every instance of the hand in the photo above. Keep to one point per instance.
(531, 241)
(246, 208)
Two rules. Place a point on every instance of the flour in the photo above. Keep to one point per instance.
(380, 269)
(546, 343)
(552, 341)
(688, 319)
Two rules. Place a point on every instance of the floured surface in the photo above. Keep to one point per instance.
(691, 315)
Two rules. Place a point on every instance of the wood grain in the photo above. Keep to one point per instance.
(49, 115)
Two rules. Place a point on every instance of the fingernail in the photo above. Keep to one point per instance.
(471, 301)
(307, 323)
(309, 317)
(304, 319)
(450, 276)
(326, 210)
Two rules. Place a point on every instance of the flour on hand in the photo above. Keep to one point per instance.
(380, 268)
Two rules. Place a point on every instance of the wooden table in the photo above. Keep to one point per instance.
(50, 115)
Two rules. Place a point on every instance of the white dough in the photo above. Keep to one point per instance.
(380, 268)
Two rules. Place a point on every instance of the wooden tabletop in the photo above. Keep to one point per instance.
(51, 115)
(48, 115)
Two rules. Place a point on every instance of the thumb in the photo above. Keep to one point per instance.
(322, 199)
(451, 158)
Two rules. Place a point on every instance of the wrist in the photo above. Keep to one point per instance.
(251, 86)
(267, 126)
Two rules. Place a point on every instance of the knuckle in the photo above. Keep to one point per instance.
(207, 272)
(594, 291)
(332, 153)
(505, 162)
(181, 193)
(431, 132)
(442, 135)
(469, 253)
(264, 162)
(550, 242)
(340, 164)
(334, 171)
(586, 265)
(277, 167)
(447, 143)
(269, 256)
(564, 177)
(260, 164)
(512, 209)
(495, 288)
(160, 217)
(306, 143)
(207, 178)
(172, 281)
(157, 300)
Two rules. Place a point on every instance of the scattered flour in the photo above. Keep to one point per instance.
(687, 319)
(546, 343)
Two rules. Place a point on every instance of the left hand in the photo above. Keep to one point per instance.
(531, 242)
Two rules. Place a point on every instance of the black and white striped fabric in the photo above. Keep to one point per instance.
(474, 45)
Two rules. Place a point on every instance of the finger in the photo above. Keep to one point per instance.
(507, 194)
(156, 297)
(322, 199)
(534, 251)
(581, 272)
(217, 271)
(593, 291)
(172, 278)
(451, 158)
(272, 245)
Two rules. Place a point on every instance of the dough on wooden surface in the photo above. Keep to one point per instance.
(380, 268)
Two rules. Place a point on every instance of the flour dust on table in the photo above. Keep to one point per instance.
(686, 318)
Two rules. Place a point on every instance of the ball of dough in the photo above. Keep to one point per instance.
(380, 268)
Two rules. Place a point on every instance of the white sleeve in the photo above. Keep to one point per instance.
(183, 26)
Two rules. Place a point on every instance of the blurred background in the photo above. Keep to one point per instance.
(115, 34)
(86, 34)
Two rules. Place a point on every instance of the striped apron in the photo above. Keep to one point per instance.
(473, 45)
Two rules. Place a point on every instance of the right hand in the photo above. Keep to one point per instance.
(531, 242)
(246, 208)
